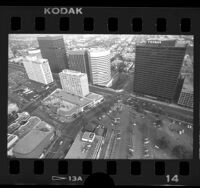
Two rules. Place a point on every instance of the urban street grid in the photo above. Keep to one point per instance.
(100, 96)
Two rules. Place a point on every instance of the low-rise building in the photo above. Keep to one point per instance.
(186, 99)
(69, 105)
(11, 140)
(86, 145)
(33, 144)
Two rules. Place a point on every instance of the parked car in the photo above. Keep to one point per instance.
(98, 126)
(131, 149)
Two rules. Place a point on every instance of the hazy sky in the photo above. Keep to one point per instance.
(74, 36)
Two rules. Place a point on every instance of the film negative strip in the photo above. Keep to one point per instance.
(99, 95)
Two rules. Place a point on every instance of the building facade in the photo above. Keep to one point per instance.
(85, 148)
(186, 99)
(157, 69)
(38, 70)
(100, 67)
(53, 49)
(74, 82)
(79, 60)
(187, 93)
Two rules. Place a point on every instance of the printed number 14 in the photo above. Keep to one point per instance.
(172, 179)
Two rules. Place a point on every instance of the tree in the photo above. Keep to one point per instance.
(162, 142)
(181, 152)
(84, 121)
(159, 122)
(121, 67)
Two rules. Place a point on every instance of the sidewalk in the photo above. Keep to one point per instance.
(163, 103)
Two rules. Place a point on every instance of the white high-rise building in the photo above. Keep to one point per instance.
(100, 66)
(74, 82)
(38, 69)
(35, 53)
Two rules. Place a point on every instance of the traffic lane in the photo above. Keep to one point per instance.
(124, 123)
(106, 144)
(137, 144)
(109, 148)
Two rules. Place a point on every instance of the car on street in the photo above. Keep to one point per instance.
(118, 136)
(146, 142)
(130, 153)
(84, 150)
(88, 146)
(147, 155)
(131, 149)
(189, 126)
(98, 126)
(181, 132)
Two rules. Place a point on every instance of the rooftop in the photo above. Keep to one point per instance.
(34, 51)
(48, 37)
(93, 96)
(74, 99)
(88, 136)
(73, 72)
(78, 149)
(76, 51)
(36, 59)
(31, 140)
(163, 42)
(98, 52)
(11, 137)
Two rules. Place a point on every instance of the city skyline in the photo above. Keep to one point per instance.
(110, 96)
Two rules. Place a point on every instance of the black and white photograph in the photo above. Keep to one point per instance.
(100, 96)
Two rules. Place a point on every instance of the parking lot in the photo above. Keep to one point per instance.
(145, 135)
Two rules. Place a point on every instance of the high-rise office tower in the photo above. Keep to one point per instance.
(38, 70)
(157, 68)
(53, 49)
(100, 66)
(74, 82)
(78, 60)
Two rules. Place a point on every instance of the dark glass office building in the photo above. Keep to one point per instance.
(53, 49)
(157, 69)
(79, 60)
